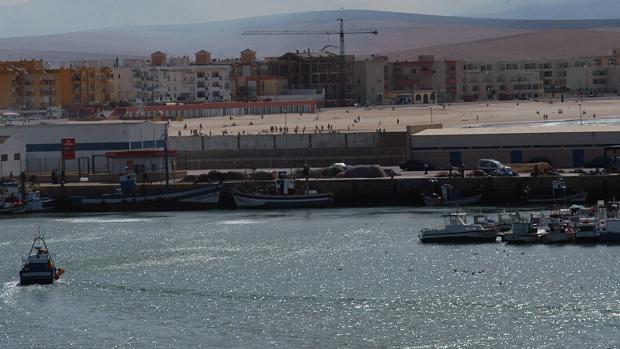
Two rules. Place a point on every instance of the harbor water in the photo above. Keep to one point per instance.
(339, 278)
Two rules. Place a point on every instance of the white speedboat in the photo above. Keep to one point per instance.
(457, 229)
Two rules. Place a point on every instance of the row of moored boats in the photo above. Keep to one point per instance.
(576, 224)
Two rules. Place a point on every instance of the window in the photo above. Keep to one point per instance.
(17, 156)
(4, 157)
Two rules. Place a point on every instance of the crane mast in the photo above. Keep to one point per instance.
(341, 33)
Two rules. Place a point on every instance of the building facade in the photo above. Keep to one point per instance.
(424, 81)
(318, 72)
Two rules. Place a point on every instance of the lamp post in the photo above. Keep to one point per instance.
(580, 115)
(431, 109)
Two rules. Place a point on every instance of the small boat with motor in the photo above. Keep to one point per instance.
(38, 267)
(450, 197)
(457, 229)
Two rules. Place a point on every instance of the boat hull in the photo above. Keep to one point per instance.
(556, 238)
(521, 239)
(578, 198)
(470, 200)
(36, 277)
(193, 199)
(610, 237)
(243, 200)
(466, 237)
(13, 210)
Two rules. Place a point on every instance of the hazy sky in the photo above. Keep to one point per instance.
(246, 8)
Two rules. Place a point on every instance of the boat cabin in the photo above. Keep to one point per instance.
(455, 219)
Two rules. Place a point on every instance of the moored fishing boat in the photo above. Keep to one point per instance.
(524, 232)
(457, 229)
(171, 200)
(558, 233)
(609, 231)
(559, 195)
(450, 197)
(285, 196)
(256, 200)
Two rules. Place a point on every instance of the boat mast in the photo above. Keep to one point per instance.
(166, 155)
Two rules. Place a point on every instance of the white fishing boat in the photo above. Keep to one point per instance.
(457, 229)
(586, 230)
(29, 196)
(10, 203)
(524, 232)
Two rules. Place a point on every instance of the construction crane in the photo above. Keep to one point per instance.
(341, 33)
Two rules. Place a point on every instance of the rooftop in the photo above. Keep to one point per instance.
(519, 130)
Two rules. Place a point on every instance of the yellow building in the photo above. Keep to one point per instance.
(32, 85)
(91, 86)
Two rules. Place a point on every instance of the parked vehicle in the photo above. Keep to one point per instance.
(491, 166)
(415, 165)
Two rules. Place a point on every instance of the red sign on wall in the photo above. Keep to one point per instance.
(68, 149)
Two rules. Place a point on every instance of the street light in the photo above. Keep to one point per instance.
(431, 109)
(580, 115)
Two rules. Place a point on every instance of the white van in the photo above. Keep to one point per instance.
(490, 165)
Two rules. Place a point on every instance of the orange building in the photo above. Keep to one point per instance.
(32, 85)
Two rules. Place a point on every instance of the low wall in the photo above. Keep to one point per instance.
(282, 151)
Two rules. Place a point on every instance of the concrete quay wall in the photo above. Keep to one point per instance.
(284, 151)
(498, 191)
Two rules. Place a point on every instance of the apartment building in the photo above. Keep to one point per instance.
(369, 80)
(160, 81)
(320, 73)
(424, 81)
(33, 85)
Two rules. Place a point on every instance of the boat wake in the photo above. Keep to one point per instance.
(99, 220)
(241, 222)
(9, 289)
(180, 260)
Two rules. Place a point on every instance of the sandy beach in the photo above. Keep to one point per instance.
(397, 118)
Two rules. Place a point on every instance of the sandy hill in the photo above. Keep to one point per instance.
(556, 43)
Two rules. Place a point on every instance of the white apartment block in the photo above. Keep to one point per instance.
(169, 84)
(537, 78)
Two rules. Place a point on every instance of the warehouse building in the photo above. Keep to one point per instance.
(563, 146)
(39, 148)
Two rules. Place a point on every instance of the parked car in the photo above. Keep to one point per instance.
(489, 166)
(415, 165)
(504, 172)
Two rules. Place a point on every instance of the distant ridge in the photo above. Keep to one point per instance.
(547, 44)
(404, 33)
